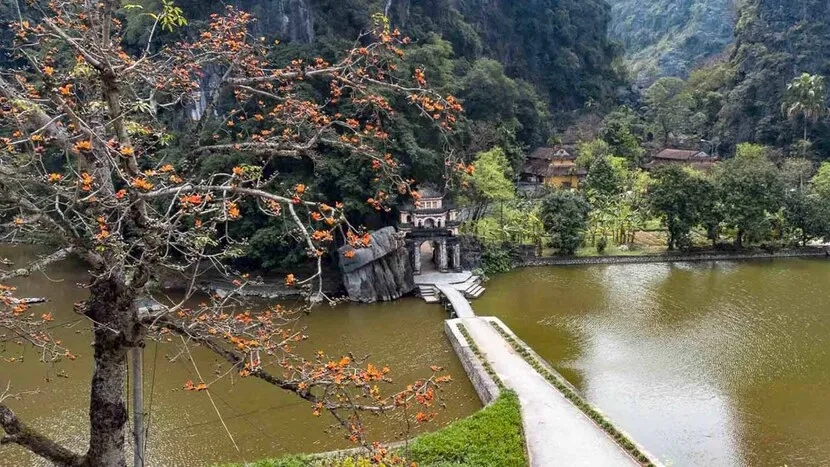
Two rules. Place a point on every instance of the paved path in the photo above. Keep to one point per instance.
(556, 432)
(459, 302)
(435, 278)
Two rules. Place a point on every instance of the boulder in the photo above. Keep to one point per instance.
(380, 272)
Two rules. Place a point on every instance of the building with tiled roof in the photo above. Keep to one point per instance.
(699, 160)
(551, 166)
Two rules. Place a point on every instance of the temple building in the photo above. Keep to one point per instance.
(431, 229)
(553, 167)
(430, 213)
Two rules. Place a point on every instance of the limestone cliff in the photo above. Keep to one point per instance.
(382, 272)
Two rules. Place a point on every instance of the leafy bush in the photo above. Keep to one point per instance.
(496, 259)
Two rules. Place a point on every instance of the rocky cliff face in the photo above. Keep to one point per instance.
(382, 272)
(671, 37)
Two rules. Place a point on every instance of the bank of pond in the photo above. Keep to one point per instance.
(713, 363)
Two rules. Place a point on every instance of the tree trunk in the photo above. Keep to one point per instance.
(107, 410)
(739, 240)
(116, 331)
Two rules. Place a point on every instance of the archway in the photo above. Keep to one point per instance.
(429, 223)
(428, 251)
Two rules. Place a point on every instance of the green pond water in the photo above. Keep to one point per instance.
(185, 430)
(705, 364)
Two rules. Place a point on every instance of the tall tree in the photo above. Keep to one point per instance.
(565, 216)
(749, 187)
(806, 98)
(489, 181)
(678, 195)
(668, 106)
(84, 159)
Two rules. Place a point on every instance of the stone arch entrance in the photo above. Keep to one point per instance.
(435, 251)
(429, 256)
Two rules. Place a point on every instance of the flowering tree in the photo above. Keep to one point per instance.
(84, 159)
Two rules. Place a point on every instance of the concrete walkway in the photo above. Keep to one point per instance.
(436, 278)
(557, 433)
(459, 302)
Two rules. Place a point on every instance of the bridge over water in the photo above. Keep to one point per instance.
(558, 431)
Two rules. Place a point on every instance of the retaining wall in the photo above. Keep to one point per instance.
(714, 256)
(484, 385)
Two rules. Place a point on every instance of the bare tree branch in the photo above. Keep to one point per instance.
(19, 433)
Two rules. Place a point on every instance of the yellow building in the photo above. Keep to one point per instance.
(555, 166)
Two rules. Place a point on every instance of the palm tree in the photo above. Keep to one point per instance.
(806, 99)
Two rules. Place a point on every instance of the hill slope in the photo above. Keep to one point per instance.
(671, 37)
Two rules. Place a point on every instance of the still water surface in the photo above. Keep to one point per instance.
(265, 422)
(707, 364)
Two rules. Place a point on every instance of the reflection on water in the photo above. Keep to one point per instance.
(715, 364)
(265, 422)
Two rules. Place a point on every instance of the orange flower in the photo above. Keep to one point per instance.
(48, 71)
(316, 216)
(86, 181)
(290, 280)
(238, 171)
(55, 177)
(65, 90)
(83, 146)
(233, 210)
(127, 151)
(120, 194)
(166, 168)
(349, 254)
(142, 184)
(299, 189)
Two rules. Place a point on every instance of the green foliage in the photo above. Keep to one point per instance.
(518, 221)
(623, 131)
(490, 437)
(670, 37)
(565, 216)
(749, 188)
(602, 244)
(496, 258)
(775, 43)
(681, 197)
(669, 107)
(821, 181)
(603, 180)
(806, 99)
(807, 216)
(490, 182)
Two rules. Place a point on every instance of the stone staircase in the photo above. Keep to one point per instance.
(471, 288)
(429, 293)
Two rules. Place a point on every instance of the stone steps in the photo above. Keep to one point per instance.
(474, 292)
(429, 293)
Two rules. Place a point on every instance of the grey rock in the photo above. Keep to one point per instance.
(381, 272)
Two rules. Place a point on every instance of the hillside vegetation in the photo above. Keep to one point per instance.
(670, 37)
